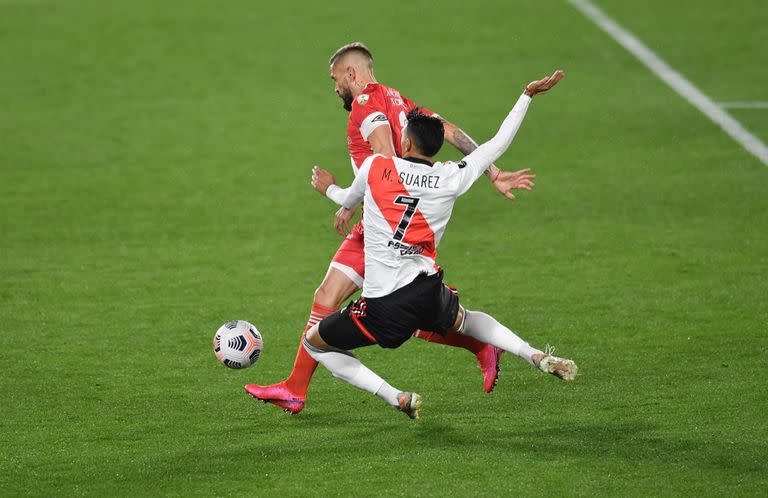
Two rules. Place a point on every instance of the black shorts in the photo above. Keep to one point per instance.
(426, 304)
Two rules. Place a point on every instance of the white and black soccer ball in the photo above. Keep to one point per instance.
(237, 344)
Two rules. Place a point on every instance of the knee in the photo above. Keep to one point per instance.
(461, 317)
(326, 295)
(313, 344)
(312, 337)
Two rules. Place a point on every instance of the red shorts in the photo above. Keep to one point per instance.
(350, 257)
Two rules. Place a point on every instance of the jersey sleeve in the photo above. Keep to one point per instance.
(475, 164)
(337, 194)
(356, 191)
(368, 113)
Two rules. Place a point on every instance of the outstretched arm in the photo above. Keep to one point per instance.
(466, 144)
(479, 160)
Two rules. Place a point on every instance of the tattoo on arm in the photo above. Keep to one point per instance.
(465, 144)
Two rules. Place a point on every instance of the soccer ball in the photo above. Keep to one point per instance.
(237, 344)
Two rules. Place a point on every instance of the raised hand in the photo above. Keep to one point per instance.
(514, 180)
(544, 84)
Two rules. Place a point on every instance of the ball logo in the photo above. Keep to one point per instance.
(237, 344)
(362, 99)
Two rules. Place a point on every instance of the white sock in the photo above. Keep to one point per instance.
(388, 394)
(345, 366)
(486, 329)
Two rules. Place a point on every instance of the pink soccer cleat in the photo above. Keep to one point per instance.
(488, 358)
(278, 394)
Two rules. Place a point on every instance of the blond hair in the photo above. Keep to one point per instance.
(356, 47)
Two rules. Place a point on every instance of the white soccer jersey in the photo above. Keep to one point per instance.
(408, 205)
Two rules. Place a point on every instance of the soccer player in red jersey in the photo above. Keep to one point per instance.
(377, 117)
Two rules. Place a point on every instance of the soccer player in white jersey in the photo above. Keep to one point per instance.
(377, 114)
(408, 203)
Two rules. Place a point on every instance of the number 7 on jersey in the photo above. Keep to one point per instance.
(410, 204)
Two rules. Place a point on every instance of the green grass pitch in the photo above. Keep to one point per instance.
(154, 183)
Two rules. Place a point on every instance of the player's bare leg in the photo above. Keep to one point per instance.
(485, 328)
(291, 394)
(345, 366)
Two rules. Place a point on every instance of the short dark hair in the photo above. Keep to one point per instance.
(426, 132)
(358, 47)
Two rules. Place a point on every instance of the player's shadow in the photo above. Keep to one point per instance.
(633, 442)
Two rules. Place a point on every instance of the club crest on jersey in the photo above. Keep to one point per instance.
(362, 99)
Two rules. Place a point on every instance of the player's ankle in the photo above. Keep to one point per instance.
(536, 358)
(388, 393)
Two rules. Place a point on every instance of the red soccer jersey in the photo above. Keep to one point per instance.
(376, 106)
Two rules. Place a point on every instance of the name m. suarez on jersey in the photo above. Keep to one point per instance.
(412, 179)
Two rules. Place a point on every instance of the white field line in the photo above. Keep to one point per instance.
(674, 79)
(742, 104)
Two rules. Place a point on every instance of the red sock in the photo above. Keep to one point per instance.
(452, 339)
(304, 365)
